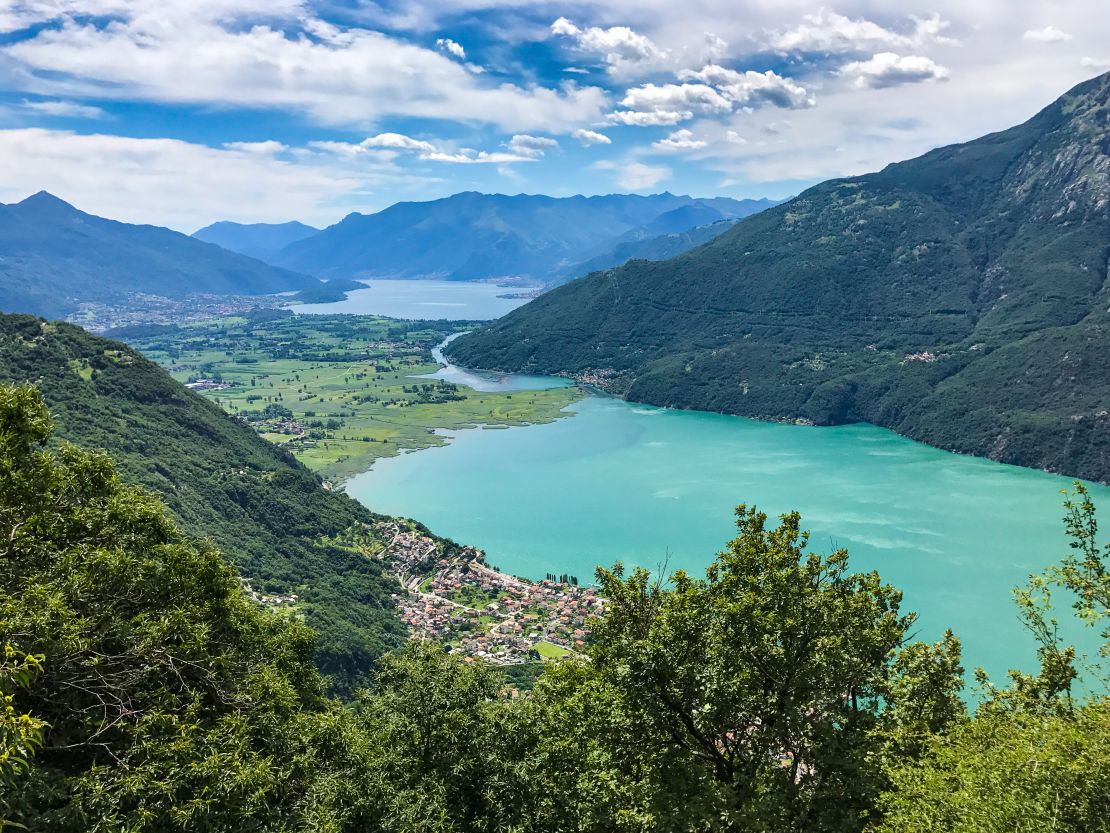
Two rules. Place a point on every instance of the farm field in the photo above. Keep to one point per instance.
(339, 392)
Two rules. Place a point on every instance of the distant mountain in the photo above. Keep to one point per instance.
(961, 298)
(473, 236)
(53, 257)
(260, 240)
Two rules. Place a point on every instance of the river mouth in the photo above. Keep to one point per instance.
(656, 487)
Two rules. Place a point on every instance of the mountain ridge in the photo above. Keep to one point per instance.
(959, 298)
(54, 257)
(257, 240)
(475, 236)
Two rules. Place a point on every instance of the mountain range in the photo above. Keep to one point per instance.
(260, 240)
(54, 257)
(961, 298)
(472, 236)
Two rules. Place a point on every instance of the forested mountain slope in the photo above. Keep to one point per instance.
(472, 236)
(53, 257)
(960, 298)
(265, 511)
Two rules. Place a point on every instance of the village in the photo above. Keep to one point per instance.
(480, 613)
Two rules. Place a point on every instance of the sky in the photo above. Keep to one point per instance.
(184, 112)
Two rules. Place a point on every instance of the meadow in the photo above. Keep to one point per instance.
(338, 392)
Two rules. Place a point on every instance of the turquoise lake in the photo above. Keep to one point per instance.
(644, 485)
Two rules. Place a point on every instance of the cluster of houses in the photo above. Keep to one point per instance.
(480, 612)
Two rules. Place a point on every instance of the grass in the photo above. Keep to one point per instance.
(347, 381)
(550, 651)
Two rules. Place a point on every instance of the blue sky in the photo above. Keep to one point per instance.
(182, 112)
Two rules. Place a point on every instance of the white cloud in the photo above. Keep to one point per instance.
(1049, 34)
(735, 138)
(267, 148)
(128, 179)
(653, 118)
(591, 137)
(829, 32)
(635, 176)
(388, 145)
(890, 70)
(679, 140)
(653, 104)
(623, 50)
(397, 141)
(717, 91)
(531, 146)
(336, 76)
(64, 109)
(1095, 63)
(752, 87)
(451, 48)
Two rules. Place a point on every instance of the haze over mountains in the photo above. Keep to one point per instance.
(260, 240)
(53, 257)
(472, 236)
(960, 298)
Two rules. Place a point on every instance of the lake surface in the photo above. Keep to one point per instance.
(433, 300)
(647, 485)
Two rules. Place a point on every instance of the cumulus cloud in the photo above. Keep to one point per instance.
(887, 69)
(712, 90)
(181, 52)
(635, 176)
(679, 140)
(622, 49)
(832, 33)
(451, 48)
(591, 137)
(1049, 34)
(521, 148)
(668, 104)
(532, 147)
(64, 109)
(397, 141)
(1095, 63)
(753, 87)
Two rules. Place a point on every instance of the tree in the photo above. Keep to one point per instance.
(20, 733)
(754, 693)
(1032, 758)
(447, 745)
(167, 701)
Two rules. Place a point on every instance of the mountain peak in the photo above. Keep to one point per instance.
(45, 200)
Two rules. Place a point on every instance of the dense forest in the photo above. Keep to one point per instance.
(265, 511)
(961, 298)
(142, 690)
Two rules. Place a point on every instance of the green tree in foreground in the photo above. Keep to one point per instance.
(172, 703)
(760, 694)
(1031, 758)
